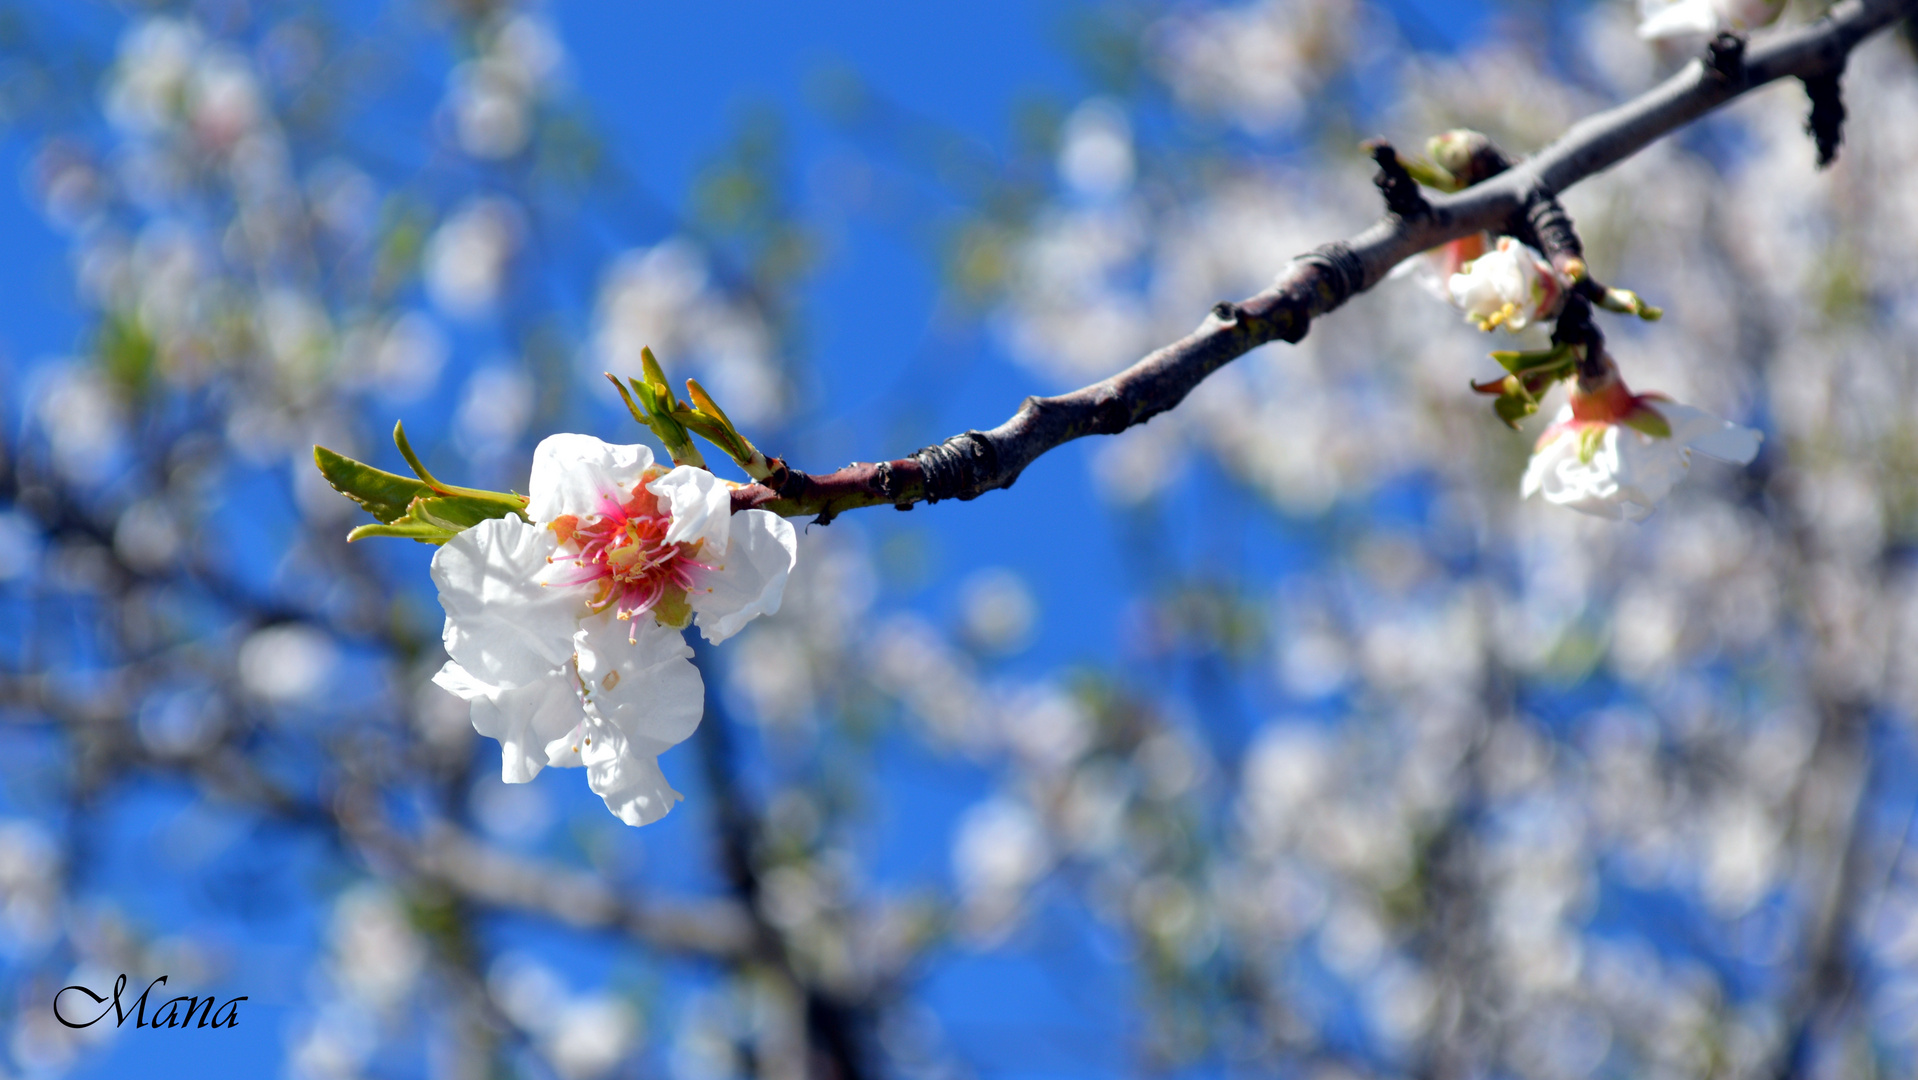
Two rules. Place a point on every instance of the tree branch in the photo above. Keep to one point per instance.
(968, 465)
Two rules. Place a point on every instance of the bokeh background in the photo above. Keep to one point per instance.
(1276, 737)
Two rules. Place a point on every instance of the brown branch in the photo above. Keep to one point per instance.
(975, 462)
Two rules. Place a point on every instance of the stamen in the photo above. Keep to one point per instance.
(624, 549)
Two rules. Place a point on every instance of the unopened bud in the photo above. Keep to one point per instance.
(1461, 152)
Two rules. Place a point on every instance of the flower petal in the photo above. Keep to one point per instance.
(1676, 19)
(701, 505)
(524, 719)
(1710, 435)
(752, 579)
(573, 474)
(501, 624)
(641, 678)
(625, 772)
(1612, 485)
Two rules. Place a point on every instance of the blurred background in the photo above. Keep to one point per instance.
(1276, 737)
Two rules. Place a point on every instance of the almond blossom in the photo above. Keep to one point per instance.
(1433, 268)
(564, 631)
(1511, 286)
(1677, 18)
(1614, 454)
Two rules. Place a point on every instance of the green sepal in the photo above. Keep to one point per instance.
(1536, 362)
(383, 494)
(1648, 420)
(1513, 408)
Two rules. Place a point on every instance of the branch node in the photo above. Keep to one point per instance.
(1341, 276)
(1826, 125)
(1402, 196)
(1111, 414)
(1725, 58)
(1226, 311)
(961, 468)
(1552, 227)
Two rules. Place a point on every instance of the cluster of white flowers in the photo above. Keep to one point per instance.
(492, 96)
(665, 298)
(563, 629)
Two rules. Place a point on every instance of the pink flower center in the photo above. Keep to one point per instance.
(623, 548)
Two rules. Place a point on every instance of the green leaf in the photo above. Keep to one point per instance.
(506, 500)
(405, 529)
(383, 494)
(656, 374)
(126, 351)
(435, 519)
(661, 411)
(458, 512)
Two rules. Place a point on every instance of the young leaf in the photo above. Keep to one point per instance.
(435, 519)
(383, 494)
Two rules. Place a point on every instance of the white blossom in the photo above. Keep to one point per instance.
(1510, 286)
(1609, 470)
(561, 631)
(1677, 18)
(466, 260)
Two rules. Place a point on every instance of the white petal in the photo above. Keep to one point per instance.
(1709, 435)
(1590, 487)
(701, 505)
(752, 579)
(1680, 18)
(501, 624)
(574, 474)
(458, 680)
(641, 678)
(625, 772)
(524, 719)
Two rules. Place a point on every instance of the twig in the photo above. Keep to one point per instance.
(968, 465)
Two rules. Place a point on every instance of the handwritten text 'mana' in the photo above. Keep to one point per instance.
(175, 1012)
